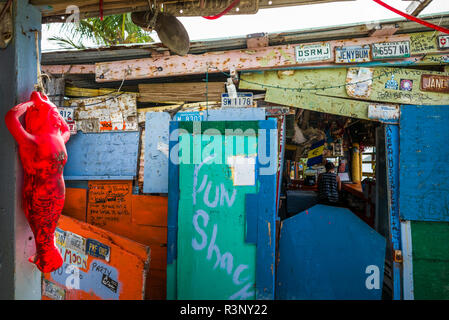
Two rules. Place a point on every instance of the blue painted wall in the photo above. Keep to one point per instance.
(326, 253)
(102, 156)
(424, 173)
(156, 152)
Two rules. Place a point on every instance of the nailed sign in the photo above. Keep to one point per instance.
(109, 283)
(359, 82)
(97, 249)
(75, 242)
(388, 113)
(66, 114)
(313, 52)
(386, 50)
(353, 54)
(433, 83)
(244, 99)
(443, 42)
(53, 291)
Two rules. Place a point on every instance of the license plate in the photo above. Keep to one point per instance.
(314, 52)
(66, 114)
(243, 99)
(352, 54)
(189, 116)
(400, 49)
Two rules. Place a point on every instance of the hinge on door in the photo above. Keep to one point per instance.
(397, 256)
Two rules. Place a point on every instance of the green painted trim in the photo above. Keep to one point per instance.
(430, 260)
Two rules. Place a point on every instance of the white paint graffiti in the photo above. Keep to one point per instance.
(220, 192)
(372, 281)
(224, 260)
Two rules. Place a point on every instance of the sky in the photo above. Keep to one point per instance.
(282, 19)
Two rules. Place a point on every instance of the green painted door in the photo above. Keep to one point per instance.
(215, 175)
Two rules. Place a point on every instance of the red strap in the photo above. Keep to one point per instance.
(101, 10)
(409, 17)
(224, 11)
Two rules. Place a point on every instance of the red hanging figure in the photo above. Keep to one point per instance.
(43, 155)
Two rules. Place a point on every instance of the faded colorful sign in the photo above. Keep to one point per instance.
(97, 265)
(106, 113)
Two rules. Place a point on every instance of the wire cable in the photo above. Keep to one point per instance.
(412, 18)
(223, 12)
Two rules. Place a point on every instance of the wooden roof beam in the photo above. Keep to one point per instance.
(417, 6)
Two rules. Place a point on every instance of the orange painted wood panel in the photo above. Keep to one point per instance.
(149, 210)
(156, 285)
(147, 223)
(122, 277)
(109, 202)
(75, 204)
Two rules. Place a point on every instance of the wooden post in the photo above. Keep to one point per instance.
(19, 279)
(355, 163)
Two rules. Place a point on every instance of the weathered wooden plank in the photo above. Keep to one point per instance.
(149, 210)
(423, 137)
(184, 91)
(126, 257)
(72, 91)
(115, 112)
(71, 69)
(104, 155)
(389, 85)
(430, 260)
(156, 152)
(255, 59)
(75, 204)
(338, 106)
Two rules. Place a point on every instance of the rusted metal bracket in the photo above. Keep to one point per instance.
(257, 40)
(397, 256)
(385, 30)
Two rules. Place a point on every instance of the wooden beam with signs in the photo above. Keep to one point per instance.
(189, 91)
(273, 57)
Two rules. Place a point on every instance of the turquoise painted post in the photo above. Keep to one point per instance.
(19, 279)
(392, 152)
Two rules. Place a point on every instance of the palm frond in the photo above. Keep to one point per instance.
(114, 29)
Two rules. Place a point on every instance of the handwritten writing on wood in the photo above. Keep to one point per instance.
(109, 202)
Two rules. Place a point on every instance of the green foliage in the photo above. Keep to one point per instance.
(113, 30)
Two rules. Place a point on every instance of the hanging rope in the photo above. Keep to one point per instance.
(223, 12)
(5, 8)
(40, 85)
(412, 18)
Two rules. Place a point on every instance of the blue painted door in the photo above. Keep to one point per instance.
(328, 253)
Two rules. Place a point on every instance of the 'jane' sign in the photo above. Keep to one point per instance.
(353, 54)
